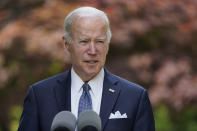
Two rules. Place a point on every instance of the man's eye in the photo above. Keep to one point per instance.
(83, 41)
(100, 42)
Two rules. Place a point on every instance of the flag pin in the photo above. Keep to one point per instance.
(111, 90)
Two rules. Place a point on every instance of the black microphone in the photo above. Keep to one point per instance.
(89, 121)
(64, 121)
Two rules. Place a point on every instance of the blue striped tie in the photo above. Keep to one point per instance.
(85, 102)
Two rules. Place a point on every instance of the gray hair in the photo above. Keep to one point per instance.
(83, 12)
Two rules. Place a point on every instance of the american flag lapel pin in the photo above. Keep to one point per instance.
(111, 90)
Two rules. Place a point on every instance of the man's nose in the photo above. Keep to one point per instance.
(92, 49)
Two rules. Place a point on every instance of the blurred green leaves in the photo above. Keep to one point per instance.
(55, 68)
(14, 116)
(178, 121)
(163, 121)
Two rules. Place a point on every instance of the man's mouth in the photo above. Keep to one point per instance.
(91, 61)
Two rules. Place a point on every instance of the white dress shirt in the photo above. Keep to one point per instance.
(96, 85)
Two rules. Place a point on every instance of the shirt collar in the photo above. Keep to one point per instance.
(76, 81)
(96, 83)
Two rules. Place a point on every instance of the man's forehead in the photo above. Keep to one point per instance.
(88, 19)
(89, 23)
(84, 37)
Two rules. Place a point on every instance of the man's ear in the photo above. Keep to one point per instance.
(66, 45)
(107, 48)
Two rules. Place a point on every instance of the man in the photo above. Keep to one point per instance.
(122, 105)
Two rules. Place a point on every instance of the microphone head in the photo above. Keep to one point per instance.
(89, 121)
(64, 121)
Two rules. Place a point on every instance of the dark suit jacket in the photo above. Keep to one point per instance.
(50, 96)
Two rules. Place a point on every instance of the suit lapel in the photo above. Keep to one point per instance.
(110, 94)
(63, 91)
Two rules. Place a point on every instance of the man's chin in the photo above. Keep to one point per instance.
(92, 74)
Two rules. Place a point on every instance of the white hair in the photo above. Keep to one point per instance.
(84, 12)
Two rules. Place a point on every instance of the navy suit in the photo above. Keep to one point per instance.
(50, 96)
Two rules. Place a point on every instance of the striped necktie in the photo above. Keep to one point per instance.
(85, 101)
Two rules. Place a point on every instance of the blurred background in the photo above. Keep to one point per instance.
(154, 43)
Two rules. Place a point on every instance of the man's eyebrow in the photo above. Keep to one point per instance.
(102, 38)
(83, 38)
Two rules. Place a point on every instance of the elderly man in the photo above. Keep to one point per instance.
(122, 105)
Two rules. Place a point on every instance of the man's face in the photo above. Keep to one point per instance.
(89, 46)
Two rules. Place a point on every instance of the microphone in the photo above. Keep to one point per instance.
(89, 121)
(64, 121)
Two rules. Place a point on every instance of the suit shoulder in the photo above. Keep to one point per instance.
(128, 85)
